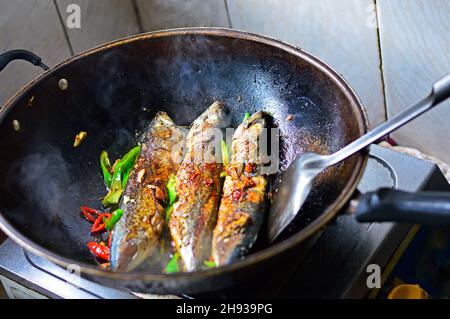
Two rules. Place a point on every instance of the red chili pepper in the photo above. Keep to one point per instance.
(88, 213)
(100, 224)
(90, 210)
(99, 251)
(88, 217)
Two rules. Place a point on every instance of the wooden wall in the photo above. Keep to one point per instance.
(389, 67)
(166, 14)
(415, 46)
(32, 25)
(101, 21)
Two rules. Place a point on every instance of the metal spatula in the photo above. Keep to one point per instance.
(297, 181)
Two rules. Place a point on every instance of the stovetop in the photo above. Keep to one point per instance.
(332, 264)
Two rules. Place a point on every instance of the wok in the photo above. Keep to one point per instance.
(113, 91)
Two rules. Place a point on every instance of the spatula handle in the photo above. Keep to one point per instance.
(440, 92)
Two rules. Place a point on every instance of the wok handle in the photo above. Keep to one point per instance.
(9, 56)
(386, 204)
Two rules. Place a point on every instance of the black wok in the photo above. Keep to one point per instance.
(114, 90)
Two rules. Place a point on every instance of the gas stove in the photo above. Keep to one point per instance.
(332, 264)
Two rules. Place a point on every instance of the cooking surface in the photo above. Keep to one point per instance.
(114, 91)
(344, 248)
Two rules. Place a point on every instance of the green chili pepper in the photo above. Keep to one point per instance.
(225, 157)
(246, 116)
(209, 264)
(168, 213)
(115, 191)
(115, 217)
(127, 164)
(172, 191)
(105, 165)
(171, 188)
(120, 177)
(172, 266)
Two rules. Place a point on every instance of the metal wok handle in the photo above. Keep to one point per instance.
(432, 208)
(9, 56)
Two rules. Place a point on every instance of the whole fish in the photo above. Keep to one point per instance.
(144, 201)
(198, 189)
(242, 207)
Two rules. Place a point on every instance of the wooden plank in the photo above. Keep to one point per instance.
(33, 25)
(167, 14)
(415, 43)
(101, 21)
(341, 33)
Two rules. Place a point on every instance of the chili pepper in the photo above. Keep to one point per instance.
(246, 116)
(99, 251)
(127, 164)
(209, 264)
(88, 217)
(99, 224)
(225, 157)
(105, 165)
(115, 217)
(168, 213)
(171, 189)
(115, 192)
(88, 213)
(90, 210)
(172, 266)
(120, 177)
(113, 169)
(85, 211)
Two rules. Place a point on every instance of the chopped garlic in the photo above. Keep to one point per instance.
(79, 139)
(140, 175)
(16, 125)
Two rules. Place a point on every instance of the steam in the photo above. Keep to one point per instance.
(183, 72)
(44, 178)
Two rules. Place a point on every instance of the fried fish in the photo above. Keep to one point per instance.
(242, 207)
(198, 189)
(144, 201)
